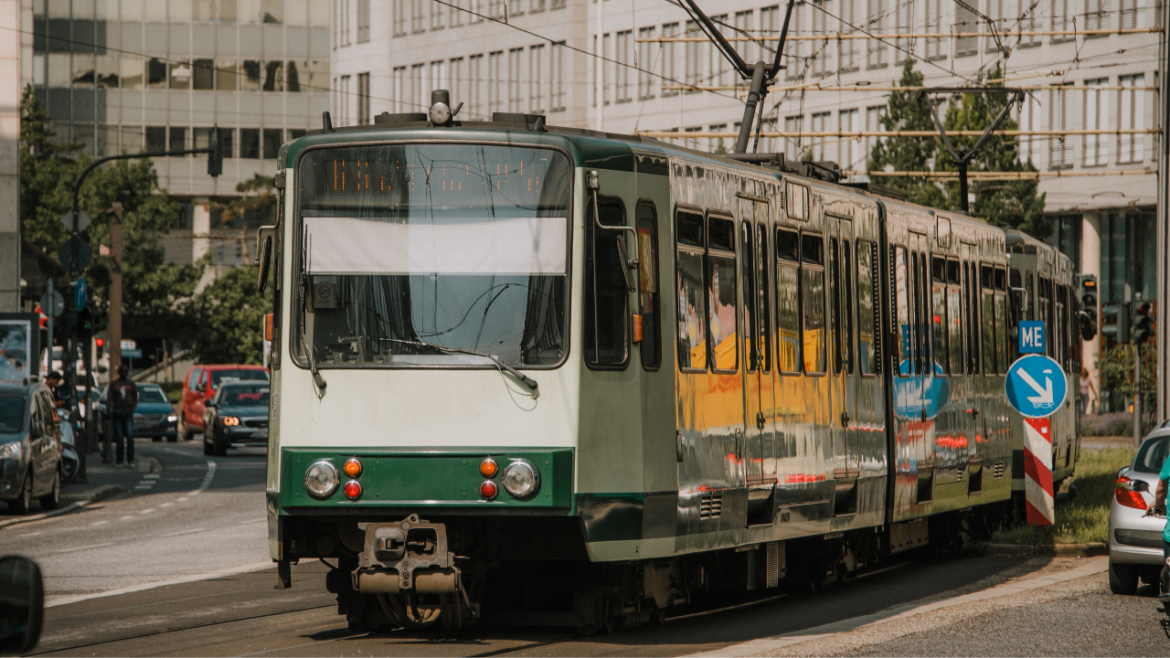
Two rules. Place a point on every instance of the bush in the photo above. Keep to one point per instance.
(1120, 424)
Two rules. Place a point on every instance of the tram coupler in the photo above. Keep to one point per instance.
(408, 556)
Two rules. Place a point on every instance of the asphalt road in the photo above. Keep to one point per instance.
(196, 516)
(190, 568)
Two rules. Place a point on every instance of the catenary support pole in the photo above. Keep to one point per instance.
(115, 349)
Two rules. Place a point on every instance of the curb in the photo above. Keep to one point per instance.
(93, 495)
(1090, 549)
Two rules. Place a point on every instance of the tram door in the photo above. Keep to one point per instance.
(759, 455)
(842, 300)
(970, 287)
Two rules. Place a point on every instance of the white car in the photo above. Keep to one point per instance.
(1135, 540)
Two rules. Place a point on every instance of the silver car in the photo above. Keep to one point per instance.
(1135, 540)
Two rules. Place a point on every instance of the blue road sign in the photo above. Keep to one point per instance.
(1031, 337)
(1036, 386)
(131, 354)
(80, 295)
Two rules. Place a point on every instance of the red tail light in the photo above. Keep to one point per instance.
(1128, 493)
(488, 489)
(353, 490)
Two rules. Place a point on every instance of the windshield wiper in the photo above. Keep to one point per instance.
(317, 378)
(528, 381)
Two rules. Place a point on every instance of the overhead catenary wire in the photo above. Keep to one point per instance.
(1005, 175)
(902, 133)
(845, 36)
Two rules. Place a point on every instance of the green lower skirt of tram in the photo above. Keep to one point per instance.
(431, 478)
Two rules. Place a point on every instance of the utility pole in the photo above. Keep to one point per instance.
(1137, 379)
(599, 70)
(1163, 217)
(115, 306)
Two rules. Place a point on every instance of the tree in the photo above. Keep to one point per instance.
(226, 317)
(905, 112)
(151, 288)
(1002, 203)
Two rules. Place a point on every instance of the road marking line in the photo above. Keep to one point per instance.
(166, 504)
(262, 520)
(99, 523)
(126, 518)
(768, 644)
(65, 600)
(30, 534)
(181, 500)
(147, 511)
(183, 532)
(152, 476)
(81, 548)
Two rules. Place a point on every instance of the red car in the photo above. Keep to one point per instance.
(200, 385)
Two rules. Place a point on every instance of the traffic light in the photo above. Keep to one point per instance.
(1143, 322)
(1088, 314)
(215, 157)
(1116, 322)
(100, 343)
(85, 322)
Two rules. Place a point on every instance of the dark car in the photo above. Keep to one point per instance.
(237, 414)
(154, 416)
(30, 447)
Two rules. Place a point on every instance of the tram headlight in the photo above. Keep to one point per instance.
(520, 479)
(321, 479)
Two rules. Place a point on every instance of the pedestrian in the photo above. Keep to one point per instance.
(1086, 388)
(121, 400)
(63, 392)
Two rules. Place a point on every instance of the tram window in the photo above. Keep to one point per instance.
(1030, 303)
(835, 306)
(987, 318)
(1015, 279)
(762, 290)
(922, 303)
(938, 289)
(606, 294)
(866, 320)
(812, 299)
(1000, 279)
(973, 344)
(1001, 334)
(953, 277)
(797, 201)
(690, 229)
(721, 278)
(787, 317)
(902, 304)
(692, 311)
(787, 245)
(954, 318)
(648, 297)
(748, 271)
(847, 319)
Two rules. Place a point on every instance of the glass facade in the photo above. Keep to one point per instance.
(126, 75)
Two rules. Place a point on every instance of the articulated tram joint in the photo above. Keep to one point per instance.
(408, 556)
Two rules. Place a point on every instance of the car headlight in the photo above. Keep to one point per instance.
(230, 421)
(521, 479)
(171, 419)
(11, 450)
(321, 479)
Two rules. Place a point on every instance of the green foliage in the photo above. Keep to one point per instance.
(224, 319)
(1003, 203)
(151, 289)
(905, 112)
(1086, 518)
(1116, 367)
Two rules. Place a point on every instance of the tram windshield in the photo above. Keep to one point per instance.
(462, 246)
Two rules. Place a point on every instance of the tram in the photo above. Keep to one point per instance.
(582, 377)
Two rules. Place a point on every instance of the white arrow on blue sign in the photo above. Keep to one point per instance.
(1036, 386)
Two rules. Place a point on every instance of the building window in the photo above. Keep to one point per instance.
(873, 123)
(475, 77)
(1096, 118)
(820, 123)
(558, 4)
(1133, 114)
(669, 59)
(848, 50)
(694, 71)
(1063, 18)
(1063, 117)
(250, 143)
(515, 7)
(178, 139)
(156, 139)
(456, 14)
(820, 54)
(455, 81)
(536, 79)
(558, 76)
(416, 86)
(398, 17)
(645, 57)
(965, 23)
(537, 5)
(1096, 15)
(397, 80)
(203, 75)
(295, 133)
(271, 143)
(716, 145)
(744, 21)
(624, 44)
(877, 22)
(1131, 15)
(793, 126)
(363, 90)
(342, 102)
(905, 26)
(438, 79)
(515, 75)
(417, 15)
(934, 24)
(364, 21)
(851, 156)
(495, 73)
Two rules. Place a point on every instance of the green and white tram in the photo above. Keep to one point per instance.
(582, 376)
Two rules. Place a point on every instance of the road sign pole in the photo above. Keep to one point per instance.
(1137, 394)
(115, 325)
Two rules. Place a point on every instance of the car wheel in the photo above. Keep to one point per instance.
(220, 448)
(52, 500)
(156, 439)
(1123, 579)
(187, 433)
(171, 438)
(23, 502)
(206, 446)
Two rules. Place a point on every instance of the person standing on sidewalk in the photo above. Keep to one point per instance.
(121, 401)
